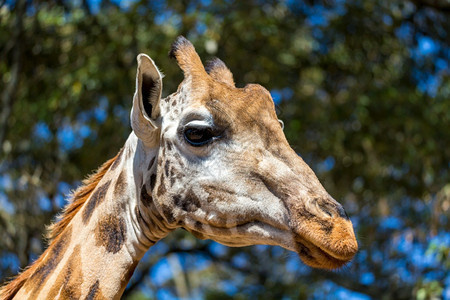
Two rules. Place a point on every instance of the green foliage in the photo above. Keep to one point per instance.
(429, 291)
(362, 86)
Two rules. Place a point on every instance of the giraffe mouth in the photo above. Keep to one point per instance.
(325, 247)
(316, 256)
(243, 234)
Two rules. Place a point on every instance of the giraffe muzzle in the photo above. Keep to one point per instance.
(325, 242)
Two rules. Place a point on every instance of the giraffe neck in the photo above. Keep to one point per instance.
(97, 252)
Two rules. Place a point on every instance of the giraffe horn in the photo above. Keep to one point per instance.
(217, 69)
(187, 58)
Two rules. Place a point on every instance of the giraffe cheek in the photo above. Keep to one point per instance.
(189, 202)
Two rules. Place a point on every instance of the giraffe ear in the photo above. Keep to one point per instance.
(146, 111)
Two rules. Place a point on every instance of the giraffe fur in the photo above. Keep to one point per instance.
(210, 158)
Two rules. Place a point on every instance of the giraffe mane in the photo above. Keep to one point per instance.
(79, 197)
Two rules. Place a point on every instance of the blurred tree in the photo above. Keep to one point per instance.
(363, 88)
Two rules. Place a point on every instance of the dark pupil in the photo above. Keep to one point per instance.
(198, 137)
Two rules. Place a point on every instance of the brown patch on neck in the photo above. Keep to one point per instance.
(95, 292)
(97, 197)
(120, 185)
(111, 233)
(70, 280)
(80, 196)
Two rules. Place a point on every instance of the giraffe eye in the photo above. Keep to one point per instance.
(198, 136)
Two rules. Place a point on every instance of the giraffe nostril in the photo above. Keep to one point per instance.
(332, 208)
(342, 213)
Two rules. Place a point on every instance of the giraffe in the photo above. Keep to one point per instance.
(210, 158)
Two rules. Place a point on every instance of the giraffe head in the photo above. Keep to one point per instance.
(224, 169)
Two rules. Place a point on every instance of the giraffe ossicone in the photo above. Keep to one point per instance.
(210, 158)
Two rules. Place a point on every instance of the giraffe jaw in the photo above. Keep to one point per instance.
(331, 252)
(310, 254)
(245, 234)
